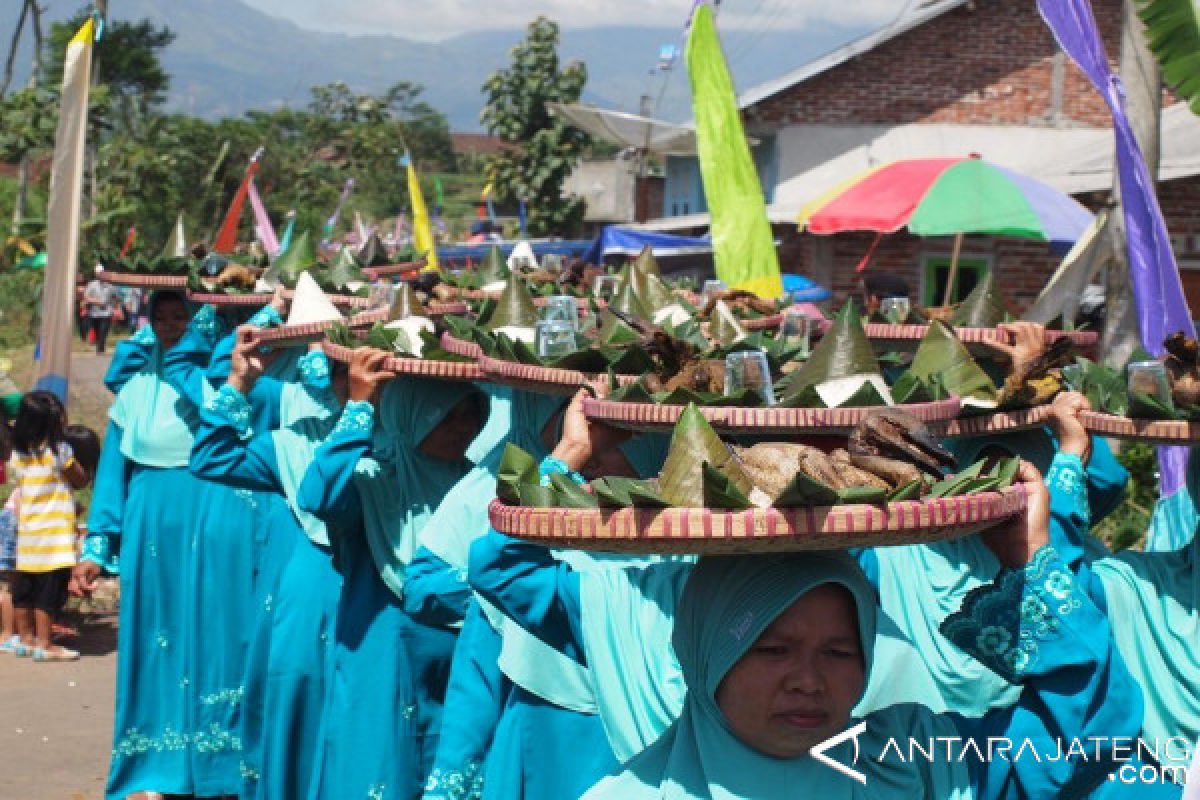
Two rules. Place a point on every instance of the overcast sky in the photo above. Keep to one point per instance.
(438, 19)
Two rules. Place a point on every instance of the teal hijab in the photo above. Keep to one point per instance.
(399, 487)
(1153, 604)
(726, 605)
(308, 416)
(157, 424)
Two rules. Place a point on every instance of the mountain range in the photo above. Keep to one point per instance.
(229, 57)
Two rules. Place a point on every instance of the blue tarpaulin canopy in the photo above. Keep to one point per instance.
(615, 240)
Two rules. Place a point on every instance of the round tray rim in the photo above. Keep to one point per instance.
(996, 422)
(689, 530)
(833, 421)
(441, 370)
(398, 268)
(460, 347)
(884, 331)
(1154, 431)
(542, 379)
(145, 280)
(217, 299)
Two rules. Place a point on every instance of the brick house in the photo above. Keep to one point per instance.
(947, 77)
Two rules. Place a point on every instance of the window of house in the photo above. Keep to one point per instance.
(936, 272)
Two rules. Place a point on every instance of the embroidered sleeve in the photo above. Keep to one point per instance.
(551, 466)
(206, 324)
(464, 784)
(314, 369)
(1005, 623)
(265, 317)
(1067, 481)
(233, 407)
(358, 417)
(96, 549)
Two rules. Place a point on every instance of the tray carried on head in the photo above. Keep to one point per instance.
(770, 530)
(425, 368)
(994, 423)
(881, 332)
(221, 299)
(402, 268)
(543, 380)
(1150, 431)
(145, 280)
(315, 331)
(742, 420)
(348, 300)
(460, 347)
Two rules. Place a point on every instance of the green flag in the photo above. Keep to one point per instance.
(743, 248)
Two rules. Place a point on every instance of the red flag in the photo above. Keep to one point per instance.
(130, 238)
(227, 236)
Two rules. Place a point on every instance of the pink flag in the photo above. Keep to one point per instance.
(262, 222)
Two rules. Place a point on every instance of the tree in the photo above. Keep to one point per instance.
(547, 148)
(1173, 34)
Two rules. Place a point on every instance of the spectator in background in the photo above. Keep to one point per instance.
(99, 299)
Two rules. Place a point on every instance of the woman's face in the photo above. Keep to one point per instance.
(796, 686)
(453, 435)
(170, 322)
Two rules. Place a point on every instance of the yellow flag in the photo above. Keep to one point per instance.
(63, 218)
(422, 228)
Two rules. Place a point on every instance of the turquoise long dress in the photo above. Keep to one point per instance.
(375, 491)
(183, 632)
(288, 666)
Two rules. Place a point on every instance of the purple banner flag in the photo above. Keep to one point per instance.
(1162, 308)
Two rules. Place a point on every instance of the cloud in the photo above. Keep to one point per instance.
(440, 19)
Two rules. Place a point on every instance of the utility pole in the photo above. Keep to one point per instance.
(1143, 97)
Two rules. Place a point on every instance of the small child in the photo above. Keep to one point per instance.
(44, 470)
(9, 641)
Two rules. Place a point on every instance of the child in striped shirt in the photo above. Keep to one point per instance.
(44, 470)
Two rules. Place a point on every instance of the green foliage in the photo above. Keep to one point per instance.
(1126, 526)
(549, 148)
(1173, 31)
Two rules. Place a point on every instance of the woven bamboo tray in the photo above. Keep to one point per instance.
(439, 309)
(145, 280)
(999, 422)
(315, 331)
(1150, 431)
(972, 336)
(544, 380)
(459, 347)
(426, 368)
(401, 268)
(350, 300)
(732, 419)
(771, 530)
(218, 299)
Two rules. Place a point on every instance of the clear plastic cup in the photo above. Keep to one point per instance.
(796, 331)
(562, 307)
(554, 338)
(1150, 378)
(895, 309)
(748, 369)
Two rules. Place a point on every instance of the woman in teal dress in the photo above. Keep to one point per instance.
(375, 485)
(182, 634)
(288, 665)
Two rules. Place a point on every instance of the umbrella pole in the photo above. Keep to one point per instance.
(958, 243)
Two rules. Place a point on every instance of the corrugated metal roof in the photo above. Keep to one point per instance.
(914, 14)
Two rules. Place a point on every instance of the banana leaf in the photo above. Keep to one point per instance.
(843, 352)
(570, 494)
(866, 397)
(1173, 33)
(1104, 387)
(633, 393)
(406, 304)
(629, 361)
(299, 257)
(862, 495)
(1144, 406)
(514, 308)
(694, 444)
(616, 331)
(627, 301)
(535, 495)
(804, 492)
(494, 269)
(720, 491)
(372, 253)
(943, 357)
(345, 270)
(176, 246)
(953, 485)
(909, 491)
(985, 307)
(1006, 470)
(909, 388)
(645, 263)
(724, 327)
(516, 467)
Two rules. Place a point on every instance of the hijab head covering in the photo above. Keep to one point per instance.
(1154, 608)
(157, 424)
(399, 487)
(727, 603)
(309, 415)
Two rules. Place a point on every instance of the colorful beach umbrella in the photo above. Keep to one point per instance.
(947, 197)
